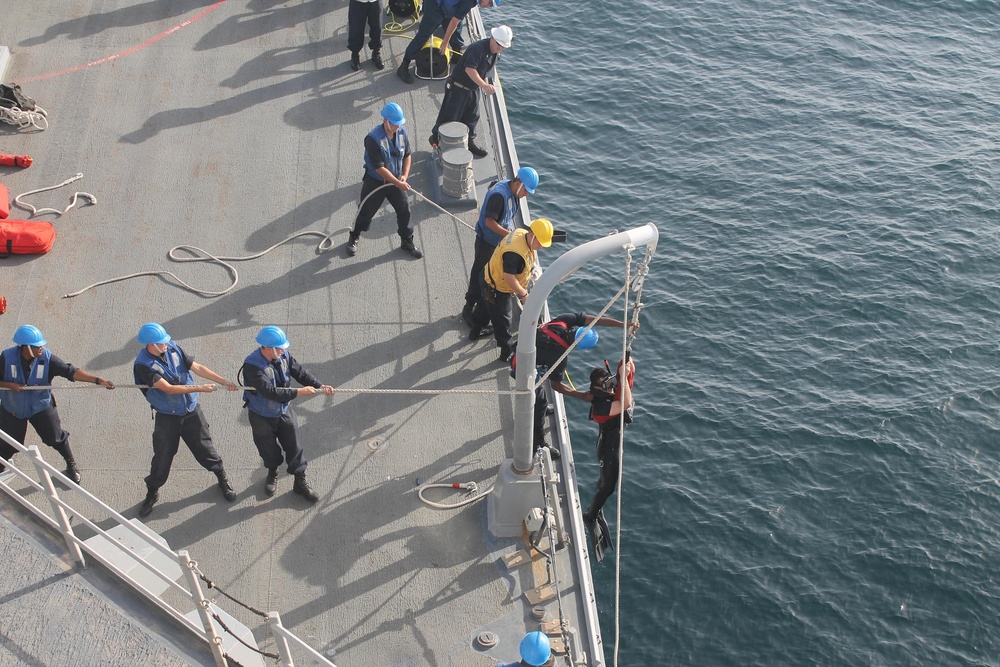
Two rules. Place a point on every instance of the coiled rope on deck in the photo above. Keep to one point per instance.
(25, 119)
(201, 255)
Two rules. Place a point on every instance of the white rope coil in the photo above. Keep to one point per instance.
(25, 119)
(200, 255)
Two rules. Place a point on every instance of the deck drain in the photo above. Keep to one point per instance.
(487, 639)
(374, 444)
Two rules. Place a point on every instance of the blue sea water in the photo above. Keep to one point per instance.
(812, 474)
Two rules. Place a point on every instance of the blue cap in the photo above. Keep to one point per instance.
(535, 649)
(528, 177)
(393, 113)
(152, 333)
(272, 336)
(27, 334)
(587, 339)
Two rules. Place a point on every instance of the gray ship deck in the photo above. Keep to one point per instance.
(240, 127)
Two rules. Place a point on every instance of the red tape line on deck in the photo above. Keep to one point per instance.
(149, 42)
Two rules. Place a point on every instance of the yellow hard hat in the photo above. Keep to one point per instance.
(542, 229)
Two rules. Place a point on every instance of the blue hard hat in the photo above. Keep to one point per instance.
(152, 333)
(29, 335)
(587, 339)
(535, 649)
(496, 3)
(393, 113)
(529, 177)
(272, 336)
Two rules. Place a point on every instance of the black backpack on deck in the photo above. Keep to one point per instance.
(403, 7)
(11, 96)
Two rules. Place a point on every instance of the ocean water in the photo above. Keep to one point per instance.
(812, 474)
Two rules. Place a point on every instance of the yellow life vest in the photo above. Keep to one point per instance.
(516, 242)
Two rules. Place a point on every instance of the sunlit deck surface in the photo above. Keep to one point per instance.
(230, 126)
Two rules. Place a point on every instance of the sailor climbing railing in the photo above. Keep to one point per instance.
(61, 517)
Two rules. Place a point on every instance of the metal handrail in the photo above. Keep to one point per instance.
(76, 546)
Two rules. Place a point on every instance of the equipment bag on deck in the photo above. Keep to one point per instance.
(25, 237)
(11, 96)
(402, 8)
(4, 202)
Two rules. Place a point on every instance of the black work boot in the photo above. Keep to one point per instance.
(72, 470)
(152, 495)
(477, 151)
(403, 72)
(377, 60)
(352, 246)
(271, 483)
(355, 61)
(227, 488)
(408, 246)
(478, 333)
(302, 488)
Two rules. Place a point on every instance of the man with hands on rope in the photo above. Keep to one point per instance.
(506, 277)
(269, 370)
(496, 220)
(387, 166)
(30, 363)
(610, 408)
(164, 371)
(552, 339)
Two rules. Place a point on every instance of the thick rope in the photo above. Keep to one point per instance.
(346, 390)
(445, 211)
(24, 119)
(91, 199)
(200, 255)
(206, 256)
(621, 465)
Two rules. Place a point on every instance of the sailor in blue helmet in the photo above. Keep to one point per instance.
(29, 363)
(269, 370)
(496, 219)
(446, 14)
(535, 651)
(387, 166)
(469, 76)
(552, 339)
(611, 408)
(164, 370)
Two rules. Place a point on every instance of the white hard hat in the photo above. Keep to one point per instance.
(503, 34)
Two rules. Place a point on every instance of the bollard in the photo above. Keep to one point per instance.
(456, 172)
(453, 135)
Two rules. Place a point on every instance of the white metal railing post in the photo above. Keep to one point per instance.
(214, 640)
(50, 490)
(273, 623)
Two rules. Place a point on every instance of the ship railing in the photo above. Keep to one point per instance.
(61, 519)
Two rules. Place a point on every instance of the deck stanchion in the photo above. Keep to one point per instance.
(214, 640)
(274, 623)
(50, 491)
